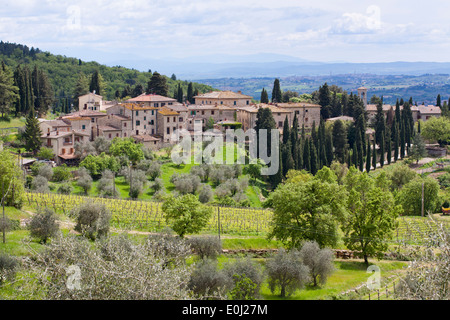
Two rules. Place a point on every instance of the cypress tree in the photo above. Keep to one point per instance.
(402, 140)
(307, 155)
(438, 101)
(294, 140)
(32, 133)
(288, 161)
(360, 155)
(277, 178)
(374, 155)
(286, 134)
(314, 159)
(368, 157)
(300, 155)
(329, 148)
(314, 135)
(396, 141)
(95, 83)
(180, 94)
(389, 150)
(190, 93)
(264, 96)
(276, 92)
(382, 151)
(355, 156)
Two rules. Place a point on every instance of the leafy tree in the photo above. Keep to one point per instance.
(127, 146)
(253, 170)
(372, 217)
(97, 164)
(61, 173)
(43, 225)
(11, 180)
(158, 85)
(32, 134)
(400, 176)
(319, 261)
(286, 272)
(309, 210)
(46, 153)
(410, 196)
(186, 214)
(210, 123)
(437, 129)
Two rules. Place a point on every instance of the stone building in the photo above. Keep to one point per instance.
(224, 98)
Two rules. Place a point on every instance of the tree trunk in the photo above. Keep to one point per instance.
(283, 292)
(366, 261)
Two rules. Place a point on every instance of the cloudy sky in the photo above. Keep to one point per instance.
(318, 30)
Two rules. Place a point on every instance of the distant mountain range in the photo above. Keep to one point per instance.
(274, 65)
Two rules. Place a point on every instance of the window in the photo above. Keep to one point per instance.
(109, 135)
(297, 112)
(92, 120)
(152, 122)
(280, 124)
(193, 113)
(174, 119)
(145, 126)
(138, 123)
(155, 105)
(248, 102)
(235, 102)
(124, 124)
(145, 118)
(125, 134)
(180, 119)
(153, 131)
(83, 127)
(117, 134)
(168, 119)
(168, 130)
(221, 102)
(203, 112)
(153, 112)
(212, 112)
(137, 113)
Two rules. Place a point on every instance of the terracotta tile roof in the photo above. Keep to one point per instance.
(56, 123)
(167, 112)
(297, 105)
(151, 98)
(223, 95)
(208, 107)
(108, 128)
(250, 109)
(429, 110)
(84, 113)
(137, 107)
(177, 107)
(145, 138)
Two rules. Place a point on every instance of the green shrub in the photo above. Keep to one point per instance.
(8, 267)
(61, 173)
(43, 225)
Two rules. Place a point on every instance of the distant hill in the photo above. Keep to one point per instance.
(63, 71)
(423, 88)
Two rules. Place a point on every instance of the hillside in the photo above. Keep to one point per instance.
(63, 71)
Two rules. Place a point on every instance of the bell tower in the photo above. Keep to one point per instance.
(362, 94)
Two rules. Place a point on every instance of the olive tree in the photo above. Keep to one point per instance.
(286, 272)
(84, 180)
(92, 219)
(44, 225)
(319, 261)
(115, 268)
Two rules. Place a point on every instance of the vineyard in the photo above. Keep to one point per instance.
(148, 216)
